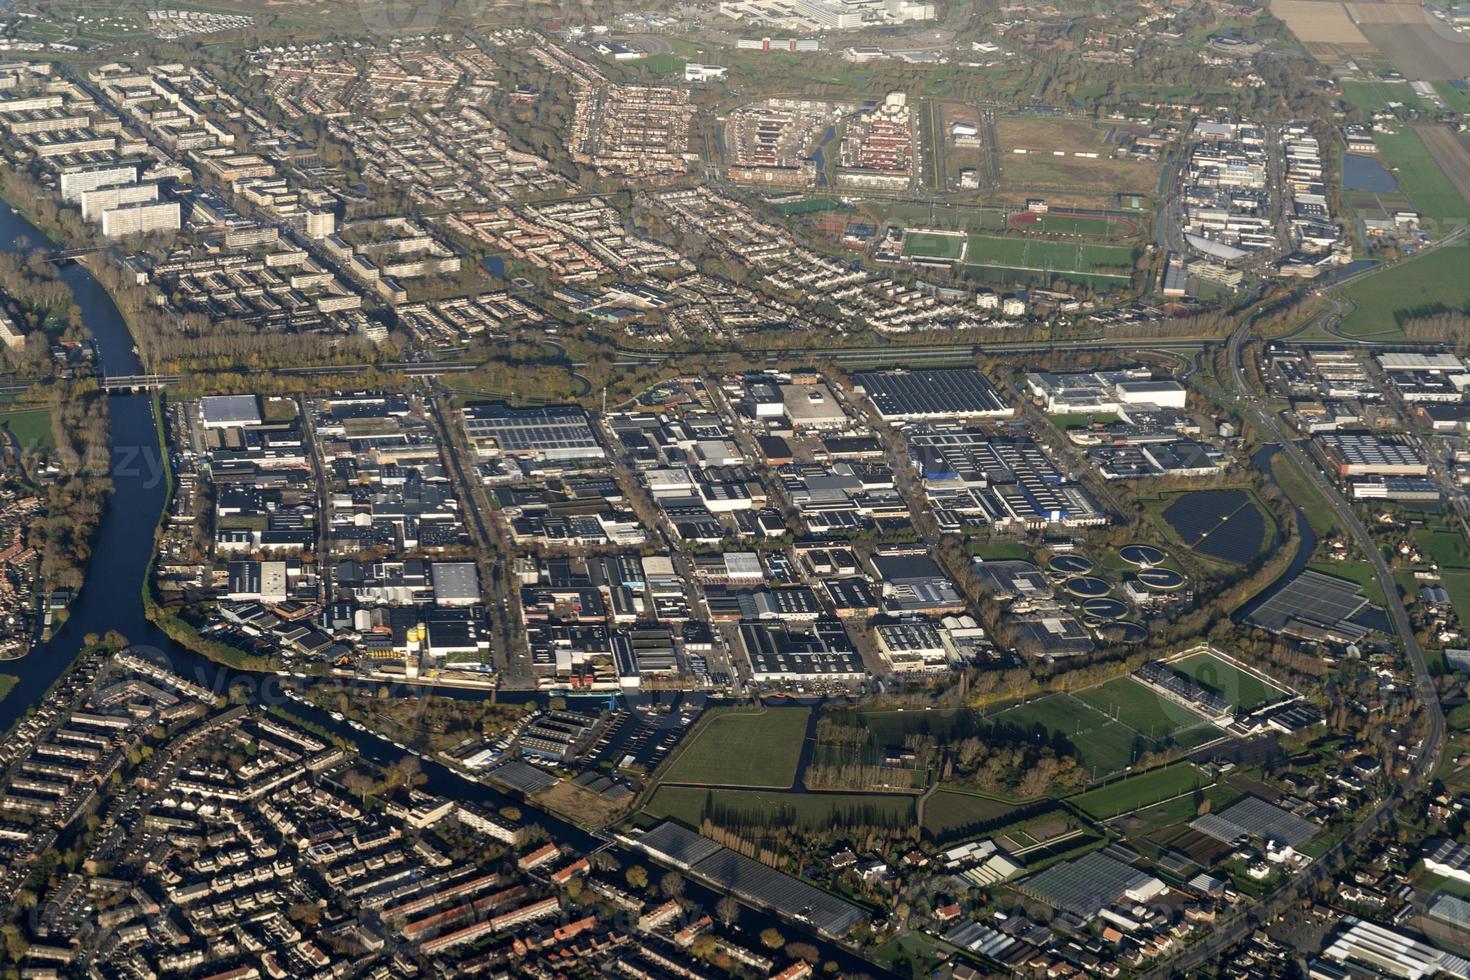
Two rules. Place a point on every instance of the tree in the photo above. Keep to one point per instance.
(671, 884)
(727, 910)
(771, 939)
(636, 876)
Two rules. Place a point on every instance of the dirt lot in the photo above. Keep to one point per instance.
(1319, 22)
(1451, 154)
(1386, 13)
(1066, 178)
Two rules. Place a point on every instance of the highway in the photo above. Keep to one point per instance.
(1224, 937)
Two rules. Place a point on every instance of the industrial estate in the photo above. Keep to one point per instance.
(767, 488)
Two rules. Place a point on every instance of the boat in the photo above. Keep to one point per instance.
(335, 715)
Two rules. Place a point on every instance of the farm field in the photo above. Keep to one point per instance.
(1111, 262)
(1371, 94)
(1419, 49)
(1319, 22)
(688, 803)
(1451, 155)
(743, 748)
(1242, 689)
(1429, 283)
(1142, 790)
(1433, 194)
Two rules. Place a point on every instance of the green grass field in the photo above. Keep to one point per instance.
(1243, 690)
(1075, 420)
(1371, 95)
(809, 205)
(1427, 186)
(1302, 492)
(928, 245)
(1142, 790)
(1100, 743)
(31, 427)
(1140, 708)
(1100, 261)
(687, 803)
(1429, 283)
(947, 811)
(1076, 224)
(742, 748)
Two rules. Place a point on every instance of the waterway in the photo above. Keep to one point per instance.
(112, 591)
(112, 595)
(1306, 542)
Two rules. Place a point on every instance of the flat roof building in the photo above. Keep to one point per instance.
(456, 583)
(932, 393)
(229, 411)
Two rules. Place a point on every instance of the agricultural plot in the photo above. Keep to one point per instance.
(1320, 23)
(1244, 690)
(1223, 524)
(1107, 262)
(743, 749)
(1422, 49)
(1431, 191)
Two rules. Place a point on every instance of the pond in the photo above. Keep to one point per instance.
(1360, 173)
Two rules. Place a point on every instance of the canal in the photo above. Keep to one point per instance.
(112, 599)
(112, 591)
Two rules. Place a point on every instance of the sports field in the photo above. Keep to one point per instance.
(809, 205)
(1069, 223)
(1098, 742)
(1140, 707)
(1032, 255)
(743, 748)
(1245, 691)
(932, 245)
(1145, 789)
(688, 803)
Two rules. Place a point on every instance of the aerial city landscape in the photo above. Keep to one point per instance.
(750, 489)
